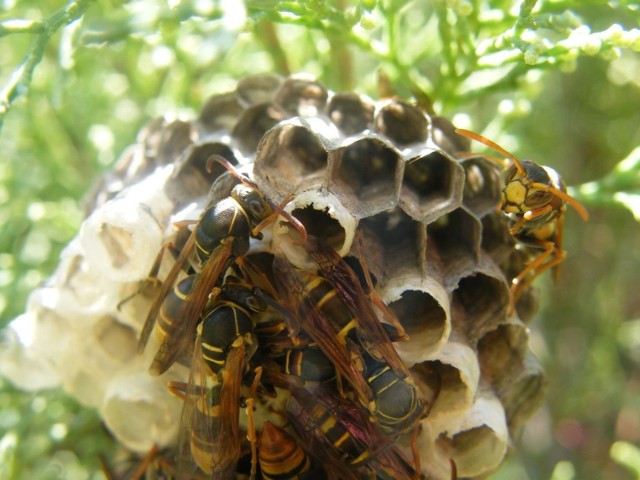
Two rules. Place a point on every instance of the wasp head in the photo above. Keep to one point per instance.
(530, 186)
(253, 202)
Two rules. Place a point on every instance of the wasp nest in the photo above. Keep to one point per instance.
(381, 183)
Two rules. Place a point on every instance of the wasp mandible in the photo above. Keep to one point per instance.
(534, 198)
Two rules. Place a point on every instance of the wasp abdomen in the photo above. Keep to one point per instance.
(220, 329)
(310, 364)
(280, 456)
(397, 406)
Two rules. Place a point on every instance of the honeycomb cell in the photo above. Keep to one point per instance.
(257, 89)
(402, 239)
(135, 404)
(421, 305)
(456, 237)
(432, 186)
(524, 395)
(443, 134)
(402, 123)
(253, 123)
(324, 217)
(220, 112)
(482, 186)
(496, 239)
(451, 378)
(476, 441)
(302, 95)
(501, 353)
(350, 112)
(483, 297)
(290, 156)
(175, 137)
(365, 175)
(194, 174)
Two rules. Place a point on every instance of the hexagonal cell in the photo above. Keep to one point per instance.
(401, 240)
(496, 239)
(289, 156)
(432, 186)
(456, 236)
(366, 175)
(257, 89)
(448, 383)
(483, 298)
(350, 112)
(220, 112)
(443, 134)
(421, 305)
(191, 179)
(501, 353)
(323, 216)
(302, 95)
(253, 123)
(482, 186)
(524, 395)
(174, 138)
(476, 441)
(401, 122)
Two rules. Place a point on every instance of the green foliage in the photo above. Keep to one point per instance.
(557, 80)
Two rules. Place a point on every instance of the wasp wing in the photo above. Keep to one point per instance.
(165, 288)
(347, 361)
(180, 341)
(370, 331)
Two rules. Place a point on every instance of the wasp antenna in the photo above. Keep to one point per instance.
(577, 206)
(492, 145)
(226, 164)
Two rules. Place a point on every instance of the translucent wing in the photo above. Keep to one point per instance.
(346, 358)
(347, 284)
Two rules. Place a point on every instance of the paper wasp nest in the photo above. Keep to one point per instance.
(381, 181)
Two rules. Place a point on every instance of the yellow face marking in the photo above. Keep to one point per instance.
(513, 197)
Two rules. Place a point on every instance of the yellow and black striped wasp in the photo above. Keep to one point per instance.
(534, 198)
(221, 234)
(394, 401)
(281, 457)
(337, 433)
(211, 441)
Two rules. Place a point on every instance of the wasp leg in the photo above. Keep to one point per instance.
(279, 211)
(375, 298)
(251, 425)
(537, 266)
(414, 450)
(141, 469)
(528, 216)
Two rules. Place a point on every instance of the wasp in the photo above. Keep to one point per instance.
(281, 457)
(221, 234)
(337, 432)
(225, 343)
(534, 198)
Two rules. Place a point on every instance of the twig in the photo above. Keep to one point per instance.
(20, 81)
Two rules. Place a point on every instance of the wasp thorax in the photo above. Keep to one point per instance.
(375, 305)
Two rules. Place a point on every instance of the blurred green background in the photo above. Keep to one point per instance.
(554, 81)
